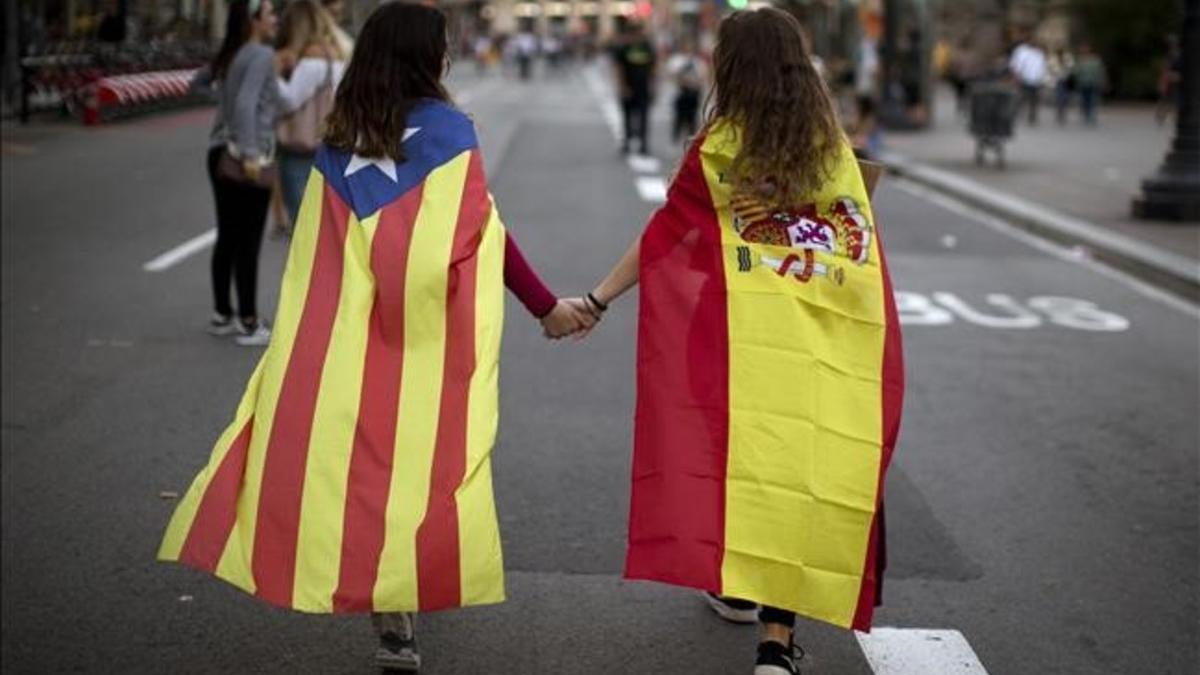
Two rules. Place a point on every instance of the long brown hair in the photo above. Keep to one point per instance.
(397, 62)
(298, 27)
(237, 33)
(769, 88)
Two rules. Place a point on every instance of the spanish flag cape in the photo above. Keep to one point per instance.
(356, 474)
(769, 392)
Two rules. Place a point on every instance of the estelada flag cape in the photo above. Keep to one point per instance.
(769, 392)
(356, 473)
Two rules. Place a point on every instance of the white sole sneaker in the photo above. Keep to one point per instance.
(731, 614)
(771, 670)
(259, 337)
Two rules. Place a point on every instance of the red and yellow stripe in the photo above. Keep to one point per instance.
(356, 475)
(767, 406)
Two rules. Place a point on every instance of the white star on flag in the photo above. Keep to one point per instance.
(385, 164)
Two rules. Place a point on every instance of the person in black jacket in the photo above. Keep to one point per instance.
(635, 64)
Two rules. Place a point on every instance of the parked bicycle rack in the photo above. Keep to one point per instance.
(97, 82)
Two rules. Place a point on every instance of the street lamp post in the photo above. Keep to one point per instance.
(1174, 192)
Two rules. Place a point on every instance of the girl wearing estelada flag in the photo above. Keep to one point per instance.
(769, 374)
(356, 474)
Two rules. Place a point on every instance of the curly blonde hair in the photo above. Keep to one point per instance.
(768, 87)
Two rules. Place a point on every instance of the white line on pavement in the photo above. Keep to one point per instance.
(652, 188)
(918, 651)
(1046, 246)
(644, 164)
(181, 252)
(608, 108)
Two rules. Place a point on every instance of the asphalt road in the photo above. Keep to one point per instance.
(1043, 500)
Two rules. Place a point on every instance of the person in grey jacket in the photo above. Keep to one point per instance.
(248, 103)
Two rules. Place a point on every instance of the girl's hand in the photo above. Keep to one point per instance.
(285, 61)
(567, 318)
(252, 169)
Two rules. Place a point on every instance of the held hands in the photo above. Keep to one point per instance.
(570, 316)
(577, 316)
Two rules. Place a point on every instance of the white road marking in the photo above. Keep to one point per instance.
(916, 309)
(644, 164)
(181, 252)
(652, 188)
(1066, 253)
(608, 107)
(919, 651)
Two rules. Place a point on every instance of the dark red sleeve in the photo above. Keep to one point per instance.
(520, 278)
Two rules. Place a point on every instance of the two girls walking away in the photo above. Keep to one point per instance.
(356, 477)
(265, 133)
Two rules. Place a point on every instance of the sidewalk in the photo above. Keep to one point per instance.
(1071, 183)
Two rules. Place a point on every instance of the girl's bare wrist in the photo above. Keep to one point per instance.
(601, 295)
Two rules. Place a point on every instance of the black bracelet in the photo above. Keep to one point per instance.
(599, 305)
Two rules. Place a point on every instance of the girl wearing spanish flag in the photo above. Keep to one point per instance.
(769, 366)
(356, 474)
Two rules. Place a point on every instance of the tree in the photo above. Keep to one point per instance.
(1131, 38)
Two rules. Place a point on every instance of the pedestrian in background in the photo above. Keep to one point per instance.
(482, 49)
(241, 163)
(1169, 77)
(690, 72)
(635, 68)
(312, 64)
(1028, 65)
(524, 48)
(1091, 79)
(866, 70)
(963, 69)
(337, 11)
(1060, 68)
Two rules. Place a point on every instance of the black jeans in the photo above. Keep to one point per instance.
(1088, 96)
(637, 123)
(241, 215)
(768, 614)
(1032, 94)
(687, 105)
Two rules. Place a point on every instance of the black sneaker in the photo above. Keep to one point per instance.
(775, 658)
(732, 609)
(397, 650)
